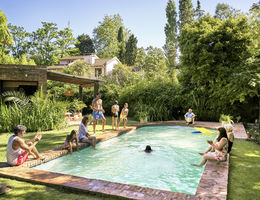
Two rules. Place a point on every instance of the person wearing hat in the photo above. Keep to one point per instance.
(98, 112)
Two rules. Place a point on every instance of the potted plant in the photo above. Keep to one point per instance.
(225, 119)
(142, 116)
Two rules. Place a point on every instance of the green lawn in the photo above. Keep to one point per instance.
(51, 139)
(244, 171)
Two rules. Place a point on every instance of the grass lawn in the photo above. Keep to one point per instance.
(244, 171)
(51, 139)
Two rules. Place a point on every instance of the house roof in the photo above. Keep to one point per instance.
(67, 78)
(76, 57)
(104, 61)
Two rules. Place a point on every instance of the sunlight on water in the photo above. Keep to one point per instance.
(121, 160)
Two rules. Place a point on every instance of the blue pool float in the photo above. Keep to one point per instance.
(196, 132)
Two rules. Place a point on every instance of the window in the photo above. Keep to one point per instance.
(98, 72)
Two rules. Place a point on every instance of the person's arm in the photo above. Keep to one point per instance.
(185, 116)
(70, 147)
(219, 147)
(24, 146)
(33, 139)
(126, 113)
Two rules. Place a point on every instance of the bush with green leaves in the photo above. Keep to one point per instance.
(161, 99)
(37, 113)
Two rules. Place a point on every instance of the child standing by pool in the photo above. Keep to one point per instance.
(123, 115)
(115, 110)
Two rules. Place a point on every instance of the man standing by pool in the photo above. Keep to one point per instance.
(98, 112)
(19, 149)
(189, 117)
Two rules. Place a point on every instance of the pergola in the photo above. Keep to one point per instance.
(73, 79)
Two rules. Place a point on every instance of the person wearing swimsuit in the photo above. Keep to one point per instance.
(98, 112)
(221, 148)
(123, 115)
(115, 110)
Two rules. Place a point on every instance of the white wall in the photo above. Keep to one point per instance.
(110, 66)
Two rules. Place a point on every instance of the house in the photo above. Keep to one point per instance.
(101, 66)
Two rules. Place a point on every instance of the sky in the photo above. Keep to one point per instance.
(145, 18)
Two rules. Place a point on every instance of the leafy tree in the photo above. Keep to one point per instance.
(140, 57)
(121, 43)
(154, 63)
(79, 68)
(198, 11)
(131, 50)
(85, 44)
(43, 41)
(224, 11)
(186, 13)
(65, 40)
(20, 37)
(214, 60)
(105, 36)
(255, 6)
(170, 29)
(5, 36)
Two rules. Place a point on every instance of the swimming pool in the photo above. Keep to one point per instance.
(121, 160)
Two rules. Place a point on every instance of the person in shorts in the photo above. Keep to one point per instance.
(115, 110)
(18, 149)
(189, 117)
(69, 142)
(98, 112)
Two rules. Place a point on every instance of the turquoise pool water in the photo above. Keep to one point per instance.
(121, 160)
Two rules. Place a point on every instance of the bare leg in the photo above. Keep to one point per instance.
(120, 122)
(103, 124)
(116, 123)
(125, 123)
(113, 121)
(204, 160)
(91, 140)
(35, 152)
(207, 150)
(94, 125)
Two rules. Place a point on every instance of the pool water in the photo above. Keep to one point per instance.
(122, 160)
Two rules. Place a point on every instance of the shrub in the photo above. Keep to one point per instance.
(40, 113)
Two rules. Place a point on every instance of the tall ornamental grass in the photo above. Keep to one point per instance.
(40, 113)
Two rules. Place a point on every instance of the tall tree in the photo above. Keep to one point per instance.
(186, 13)
(121, 44)
(105, 36)
(85, 44)
(65, 40)
(21, 39)
(43, 41)
(5, 36)
(198, 11)
(131, 50)
(170, 29)
(224, 11)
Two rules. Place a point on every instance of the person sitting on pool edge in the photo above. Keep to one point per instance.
(69, 142)
(190, 117)
(18, 149)
(221, 148)
(148, 149)
(83, 135)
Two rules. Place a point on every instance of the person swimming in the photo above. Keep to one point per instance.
(148, 149)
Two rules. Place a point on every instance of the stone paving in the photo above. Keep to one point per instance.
(213, 183)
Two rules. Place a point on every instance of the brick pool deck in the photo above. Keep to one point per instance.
(213, 183)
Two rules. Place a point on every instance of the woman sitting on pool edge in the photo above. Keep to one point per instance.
(69, 142)
(84, 136)
(221, 148)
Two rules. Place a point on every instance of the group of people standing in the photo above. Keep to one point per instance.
(98, 113)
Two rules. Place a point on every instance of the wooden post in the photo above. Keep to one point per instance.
(80, 93)
(96, 87)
